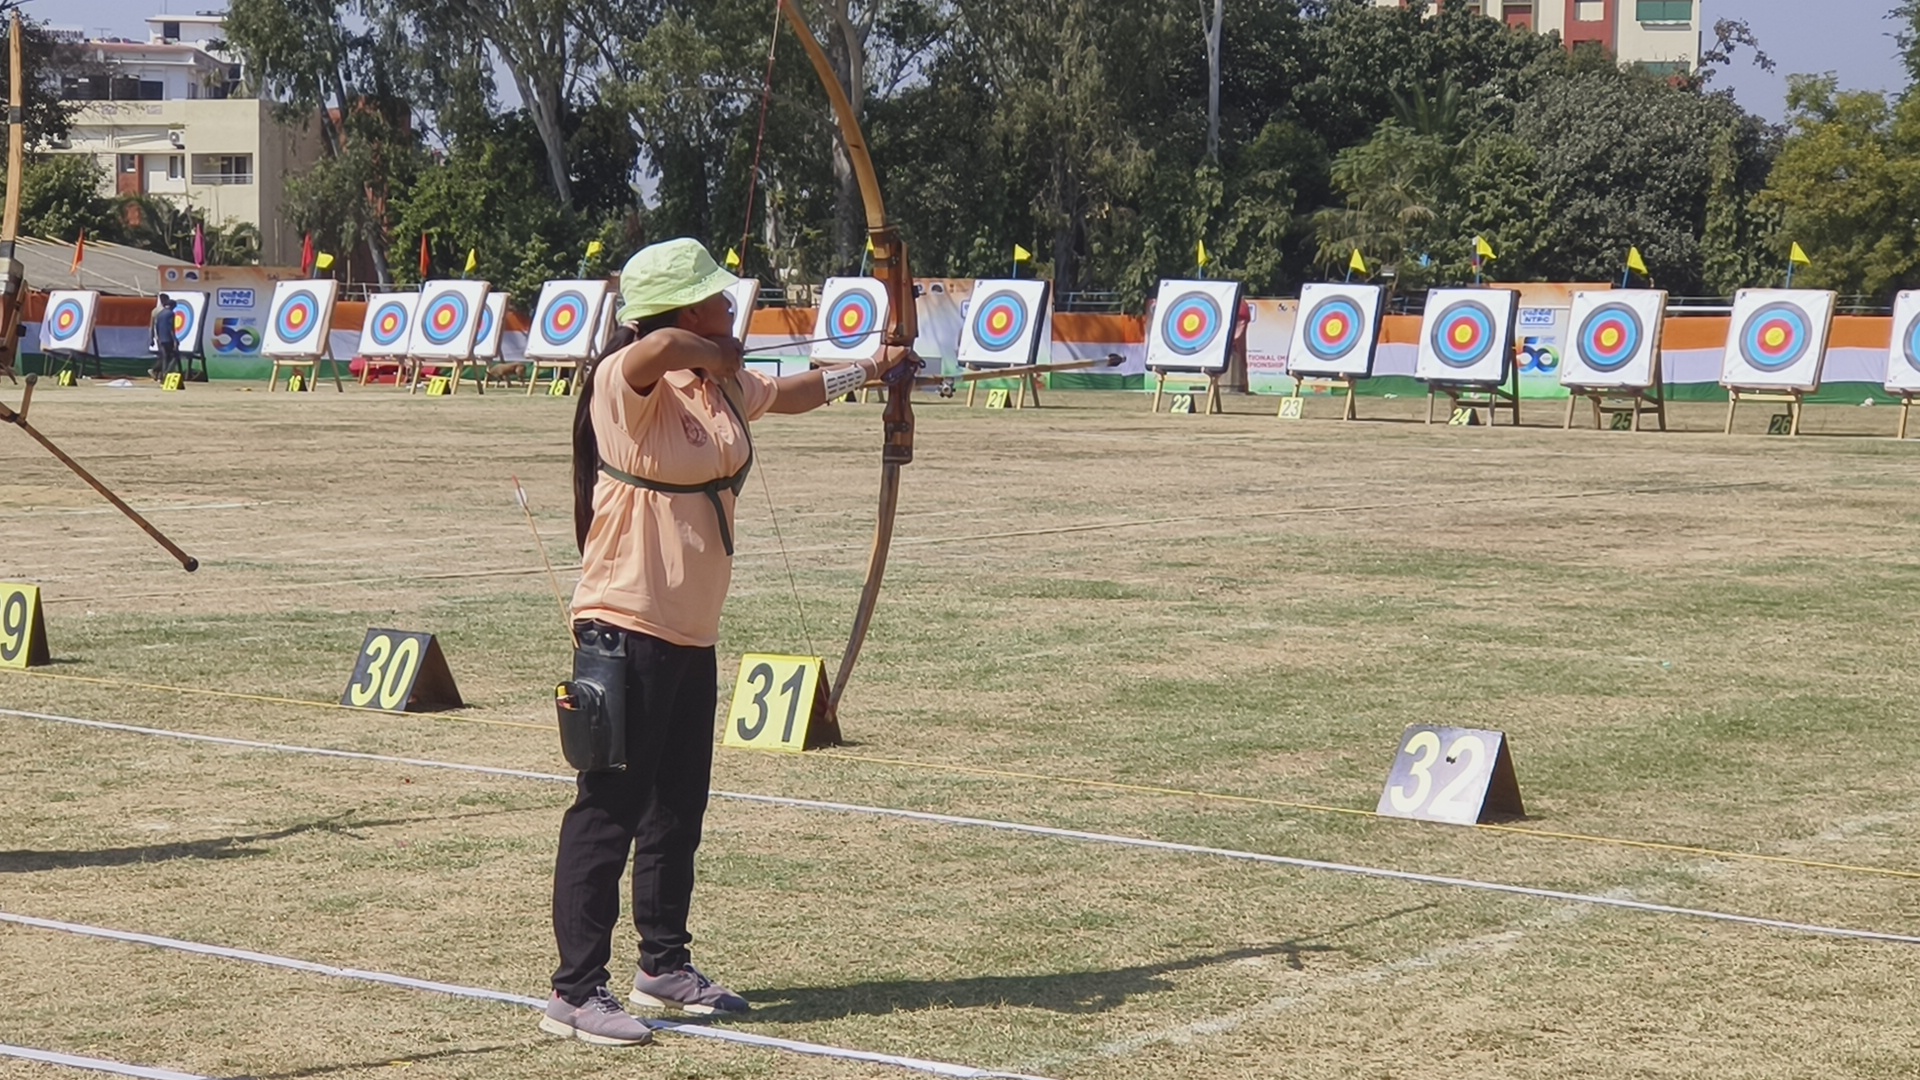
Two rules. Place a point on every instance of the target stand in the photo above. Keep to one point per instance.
(308, 368)
(1906, 405)
(1344, 385)
(1620, 402)
(1213, 407)
(1492, 398)
(455, 369)
(1794, 400)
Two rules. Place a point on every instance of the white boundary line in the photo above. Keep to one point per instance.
(1050, 831)
(766, 1042)
(75, 1061)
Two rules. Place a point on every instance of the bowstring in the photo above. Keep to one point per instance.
(746, 234)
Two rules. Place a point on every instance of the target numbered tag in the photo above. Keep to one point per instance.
(1463, 418)
(439, 386)
(558, 388)
(1459, 776)
(171, 382)
(295, 383)
(1620, 422)
(66, 377)
(776, 701)
(997, 399)
(1182, 404)
(23, 629)
(401, 671)
(1780, 424)
(1291, 408)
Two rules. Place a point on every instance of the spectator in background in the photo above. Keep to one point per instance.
(166, 347)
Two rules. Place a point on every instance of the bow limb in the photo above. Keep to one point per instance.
(890, 267)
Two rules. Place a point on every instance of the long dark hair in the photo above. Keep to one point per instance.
(586, 451)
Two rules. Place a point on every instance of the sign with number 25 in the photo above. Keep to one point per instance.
(775, 702)
(1461, 776)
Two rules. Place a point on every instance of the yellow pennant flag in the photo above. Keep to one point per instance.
(1799, 255)
(1021, 254)
(473, 259)
(869, 245)
(1200, 253)
(1483, 249)
(1358, 263)
(324, 261)
(595, 247)
(1635, 263)
(733, 259)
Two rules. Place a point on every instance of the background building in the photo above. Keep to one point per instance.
(1661, 36)
(166, 118)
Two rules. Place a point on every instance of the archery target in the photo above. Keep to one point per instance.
(1903, 356)
(565, 320)
(67, 325)
(1192, 328)
(1005, 324)
(1336, 330)
(493, 327)
(1467, 336)
(1777, 339)
(1615, 338)
(389, 325)
(743, 295)
(189, 322)
(447, 319)
(852, 312)
(300, 319)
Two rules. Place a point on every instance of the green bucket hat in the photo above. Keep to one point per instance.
(665, 276)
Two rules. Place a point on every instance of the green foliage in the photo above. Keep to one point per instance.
(61, 196)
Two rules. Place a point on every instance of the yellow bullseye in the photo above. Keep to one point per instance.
(1609, 337)
(1463, 334)
(1774, 337)
(1336, 327)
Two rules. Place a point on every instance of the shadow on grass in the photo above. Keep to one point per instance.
(378, 1063)
(216, 847)
(1073, 992)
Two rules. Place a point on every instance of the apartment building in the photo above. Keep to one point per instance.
(1662, 36)
(166, 117)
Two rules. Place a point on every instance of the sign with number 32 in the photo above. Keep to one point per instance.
(1460, 776)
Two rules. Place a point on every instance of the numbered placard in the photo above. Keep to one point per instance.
(23, 629)
(778, 704)
(295, 383)
(171, 382)
(1464, 417)
(1182, 404)
(557, 388)
(401, 671)
(1780, 424)
(1292, 408)
(997, 398)
(1460, 776)
(439, 386)
(66, 377)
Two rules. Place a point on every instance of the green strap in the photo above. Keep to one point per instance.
(711, 489)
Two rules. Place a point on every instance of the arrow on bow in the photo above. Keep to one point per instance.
(890, 267)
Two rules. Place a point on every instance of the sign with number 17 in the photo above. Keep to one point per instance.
(775, 702)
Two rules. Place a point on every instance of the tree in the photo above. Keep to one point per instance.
(46, 115)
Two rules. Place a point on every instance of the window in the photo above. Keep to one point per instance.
(1517, 12)
(175, 167)
(223, 168)
(1589, 11)
(170, 31)
(129, 163)
(1663, 68)
(1680, 11)
(152, 90)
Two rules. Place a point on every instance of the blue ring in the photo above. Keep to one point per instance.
(461, 315)
(869, 314)
(298, 297)
(185, 316)
(571, 300)
(1443, 347)
(1592, 354)
(1210, 323)
(1798, 323)
(1016, 327)
(1336, 350)
(1911, 346)
(486, 323)
(399, 311)
(52, 319)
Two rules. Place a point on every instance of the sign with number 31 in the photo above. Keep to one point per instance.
(776, 703)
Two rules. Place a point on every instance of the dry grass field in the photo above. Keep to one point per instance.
(1690, 639)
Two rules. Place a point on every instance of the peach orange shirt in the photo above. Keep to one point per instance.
(654, 561)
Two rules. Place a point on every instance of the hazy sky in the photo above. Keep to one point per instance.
(1844, 36)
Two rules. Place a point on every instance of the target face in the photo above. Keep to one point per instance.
(1192, 325)
(1004, 323)
(1000, 320)
(298, 316)
(390, 321)
(851, 309)
(564, 318)
(1903, 356)
(446, 321)
(185, 320)
(493, 327)
(1614, 338)
(65, 320)
(1467, 336)
(1336, 330)
(742, 295)
(1778, 339)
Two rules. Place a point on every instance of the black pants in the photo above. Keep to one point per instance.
(654, 808)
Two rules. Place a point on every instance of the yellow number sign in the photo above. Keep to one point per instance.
(66, 377)
(171, 382)
(997, 399)
(400, 671)
(1182, 404)
(23, 629)
(438, 386)
(558, 388)
(1460, 776)
(1291, 407)
(774, 701)
(1463, 418)
(295, 383)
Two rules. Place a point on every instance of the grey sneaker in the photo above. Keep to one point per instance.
(687, 990)
(600, 1021)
